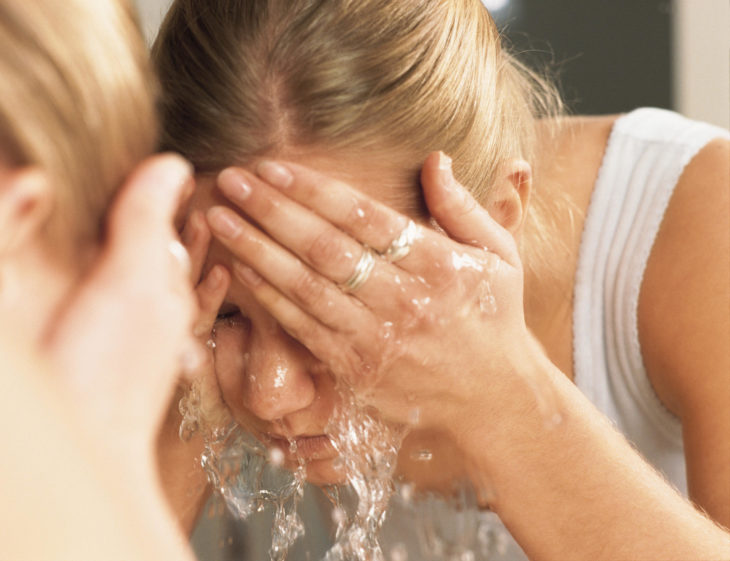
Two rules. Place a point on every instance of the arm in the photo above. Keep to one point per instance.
(578, 490)
(688, 358)
(566, 484)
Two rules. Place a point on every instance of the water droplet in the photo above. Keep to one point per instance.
(423, 455)
(414, 416)
(339, 516)
(399, 552)
(487, 301)
(276, 456)
(406, 492)
(502, 541)
(465, 261)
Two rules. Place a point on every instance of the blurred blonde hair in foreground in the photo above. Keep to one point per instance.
(76, 100)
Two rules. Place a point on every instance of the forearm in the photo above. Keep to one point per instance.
(576, 489)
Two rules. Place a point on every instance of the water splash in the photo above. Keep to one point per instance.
(239, 468)
(449, 529)
(369, 451)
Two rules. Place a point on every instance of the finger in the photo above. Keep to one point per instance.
(323, 246)
(458, 213)
(321, 341)
(314, 293)
(149, 200)
(196, 239)
(211, 292)
(313, 239)
(368, 221)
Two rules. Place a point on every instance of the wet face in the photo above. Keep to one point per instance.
(272, 384)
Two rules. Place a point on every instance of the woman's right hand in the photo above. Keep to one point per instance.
(434, 335)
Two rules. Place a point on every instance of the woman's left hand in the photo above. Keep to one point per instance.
(437, 321)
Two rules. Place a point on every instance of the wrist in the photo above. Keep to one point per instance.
(521, 404)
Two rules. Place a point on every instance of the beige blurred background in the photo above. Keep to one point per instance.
(699, 64)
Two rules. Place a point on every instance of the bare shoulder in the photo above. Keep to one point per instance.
(685, 295)
(684, 321)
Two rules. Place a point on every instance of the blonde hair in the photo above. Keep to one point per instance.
(77, 100)
(243, 79)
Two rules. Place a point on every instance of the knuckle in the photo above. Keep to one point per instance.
(266, 208)
(252, 248)
(326, 248)
(362, 368)
(308, 289)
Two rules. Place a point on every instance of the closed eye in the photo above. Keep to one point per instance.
(228, 311)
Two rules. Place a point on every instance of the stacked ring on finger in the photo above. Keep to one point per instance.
(401, 246)
(362, 271)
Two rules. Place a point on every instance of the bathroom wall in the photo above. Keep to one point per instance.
(701, 64)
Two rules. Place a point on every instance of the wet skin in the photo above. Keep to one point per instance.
(274, 386)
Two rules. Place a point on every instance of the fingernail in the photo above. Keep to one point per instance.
(234, 185)
(215, 278)
(174, 173)
(274, 173)
(246, 274)
(444, 162)
(224, 223)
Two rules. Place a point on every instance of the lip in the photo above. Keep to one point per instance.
(316, 447)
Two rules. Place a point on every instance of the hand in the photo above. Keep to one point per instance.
(203, 407)
(122, 340)
(439, 330)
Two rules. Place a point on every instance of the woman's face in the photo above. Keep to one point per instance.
(273, 385)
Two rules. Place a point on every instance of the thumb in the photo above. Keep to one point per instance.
(149, 200)
(459, 213)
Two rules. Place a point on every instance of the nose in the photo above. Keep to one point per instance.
(277, 382)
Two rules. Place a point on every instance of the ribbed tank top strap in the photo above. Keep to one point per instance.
(646, 153)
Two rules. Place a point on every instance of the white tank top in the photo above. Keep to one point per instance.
(645, 156)
(646, 153)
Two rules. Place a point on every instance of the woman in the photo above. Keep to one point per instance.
(328, 110)
(96, 305)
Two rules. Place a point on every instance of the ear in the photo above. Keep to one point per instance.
(512, 195)
(25, 205)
